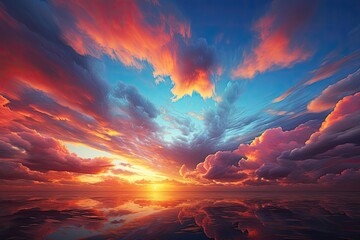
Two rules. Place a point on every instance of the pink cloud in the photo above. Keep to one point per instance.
(304, 155)
(249, 160)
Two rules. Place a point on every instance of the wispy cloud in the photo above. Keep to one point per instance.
(333, 93)
(327, 69)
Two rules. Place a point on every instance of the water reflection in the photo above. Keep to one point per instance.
(170, 215)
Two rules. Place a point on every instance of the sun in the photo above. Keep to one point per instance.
(156, 187)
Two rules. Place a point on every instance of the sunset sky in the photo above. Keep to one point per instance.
(179, 95)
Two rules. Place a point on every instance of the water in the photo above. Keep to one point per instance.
(179, 215)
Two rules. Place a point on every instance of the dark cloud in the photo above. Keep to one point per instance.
(135, 104)
(273, 171)
(221, 167)
(197, 64)
(45, 154)
(342, 179)
(340, 127)
(14, 171)
(198, 56)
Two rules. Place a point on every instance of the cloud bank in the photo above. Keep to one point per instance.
(304, 155)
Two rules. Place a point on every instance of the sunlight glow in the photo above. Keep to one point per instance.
(157, 187)
(86, 151)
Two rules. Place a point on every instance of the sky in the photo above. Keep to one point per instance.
(179, 95)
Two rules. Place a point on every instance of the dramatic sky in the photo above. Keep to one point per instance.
(179, 95)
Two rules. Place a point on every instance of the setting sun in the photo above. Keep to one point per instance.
(158, 187)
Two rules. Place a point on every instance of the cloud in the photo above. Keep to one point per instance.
(329, 69)
(284, 95)
(279, 113)
(346, 177)
(119, 171)
(14, 171)
(61, 97)
(278, 46)
(128, 130)
(221, 166)
(324, 71)
(250, 160)
(340, 127)
(197, 116)
(333, 93)
(29, 40)
(196, 66)
(61, 94)
(123, 31)
(139, 109)
(225, 127)
(304, 155)
(26, 154)
(216, 122)
(44, 154)
(180, 123)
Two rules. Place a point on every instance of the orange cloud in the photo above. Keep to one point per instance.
(277, 47)
(284, 95)
(346, 108)
(333, 93)
(122, 31)
(59, 95)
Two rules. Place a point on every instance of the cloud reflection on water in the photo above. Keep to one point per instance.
(169, 215)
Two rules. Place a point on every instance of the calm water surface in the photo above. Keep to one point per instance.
(174, 215)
